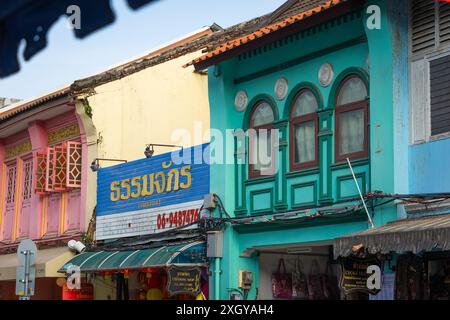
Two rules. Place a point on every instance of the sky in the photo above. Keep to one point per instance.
(66, 59)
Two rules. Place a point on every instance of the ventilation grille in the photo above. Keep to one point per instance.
(444, 23)
(430, 26)
(440, 95)
(423, 26)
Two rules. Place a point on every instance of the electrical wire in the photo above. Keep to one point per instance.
(281, 218)
(221, 206)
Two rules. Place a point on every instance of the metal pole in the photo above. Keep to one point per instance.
(216, 278)
(360, 194)
(27, 272)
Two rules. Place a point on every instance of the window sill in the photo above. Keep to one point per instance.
(437, 137)
(303, 172)
(354, 163)
(258, 180)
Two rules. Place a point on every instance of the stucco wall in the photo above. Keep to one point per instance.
(429, 167)
(146, 107)
(143, 108)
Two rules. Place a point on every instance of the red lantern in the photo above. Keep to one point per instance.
(86, 292)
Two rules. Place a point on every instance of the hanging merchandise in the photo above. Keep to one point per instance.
(330, 284)
(281, 282)
(415, 278)
(315, 282)
(299, 282)
(409, 282)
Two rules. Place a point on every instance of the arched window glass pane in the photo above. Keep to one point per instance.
(305, 142)
(263, 115)
(261, 149)
(353, 90)
(351, 132)
(305, 103)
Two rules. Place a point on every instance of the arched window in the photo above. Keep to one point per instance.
(303, 130)
(352, 118)
(261, 140)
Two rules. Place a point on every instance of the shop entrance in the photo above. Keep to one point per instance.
(306, 272)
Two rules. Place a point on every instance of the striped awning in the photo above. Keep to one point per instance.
(185, 254)
(405, 235)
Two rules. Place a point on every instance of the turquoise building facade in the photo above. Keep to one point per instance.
(316, 201)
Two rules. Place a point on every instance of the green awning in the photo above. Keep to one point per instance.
(185, 254)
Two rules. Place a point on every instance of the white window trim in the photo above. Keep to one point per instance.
(427, 109)
(438, 52)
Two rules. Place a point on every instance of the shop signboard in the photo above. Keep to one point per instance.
(182, 280)
(152, 195)
(355, 274)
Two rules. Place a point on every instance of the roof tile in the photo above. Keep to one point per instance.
(265, 30)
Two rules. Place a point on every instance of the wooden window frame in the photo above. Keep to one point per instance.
(27, 185)
(252, 173)
(40, 173)
(353, 106)
(11, 184)
(293, 122)
(74, 175)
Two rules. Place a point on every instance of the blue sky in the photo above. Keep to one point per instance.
(133, 33)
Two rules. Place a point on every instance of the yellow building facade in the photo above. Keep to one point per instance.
(150, 106)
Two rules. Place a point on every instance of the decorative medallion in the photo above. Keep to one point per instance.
(326, 74)
(241, 101)
(281, 88)
(71, 131)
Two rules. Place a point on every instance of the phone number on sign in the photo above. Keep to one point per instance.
(177, 219)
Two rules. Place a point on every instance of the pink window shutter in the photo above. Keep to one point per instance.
(73, 165)
(50, 169)
(59, 168)
(40, 173)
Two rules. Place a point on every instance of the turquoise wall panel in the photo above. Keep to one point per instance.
(261, 201)
(304, 194)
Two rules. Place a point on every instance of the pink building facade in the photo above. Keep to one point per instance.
(42, 172)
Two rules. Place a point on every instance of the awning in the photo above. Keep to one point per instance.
(47, 263)
(185, 254)
(406, 235)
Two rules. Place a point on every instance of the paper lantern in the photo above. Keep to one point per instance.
(154, 294)
(155, 280)
(86, 292)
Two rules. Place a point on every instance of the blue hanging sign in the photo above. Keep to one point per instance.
(152, 195)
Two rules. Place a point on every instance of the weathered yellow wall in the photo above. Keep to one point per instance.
(146, 107)
(142, 108)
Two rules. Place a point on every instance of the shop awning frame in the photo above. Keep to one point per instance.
(184, 254)
(406, 235)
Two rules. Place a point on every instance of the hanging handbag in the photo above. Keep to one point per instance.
(315, 283)
(329, 284)
(281, 282)
(299, 282)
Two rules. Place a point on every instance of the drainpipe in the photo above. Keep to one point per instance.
(215, 252)
(217, 278)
